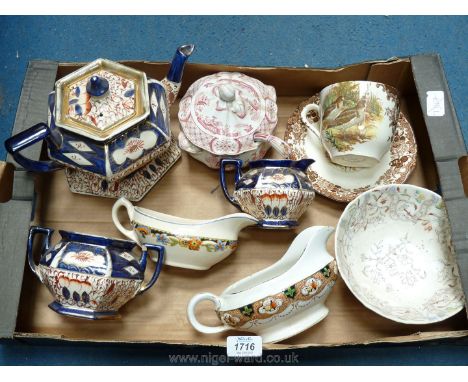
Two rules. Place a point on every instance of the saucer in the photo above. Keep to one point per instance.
(133, 187)
(341, 183)
(394, 252)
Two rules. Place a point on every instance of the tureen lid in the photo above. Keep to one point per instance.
(101, 99)
(221, 113)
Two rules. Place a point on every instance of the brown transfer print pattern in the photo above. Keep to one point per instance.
(271, 306)
(133, 187)
(403, 155)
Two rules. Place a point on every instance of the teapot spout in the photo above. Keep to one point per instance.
(174, 76)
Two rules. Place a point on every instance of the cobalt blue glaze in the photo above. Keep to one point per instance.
(85, 139)
(276, 192)
(79, 313)
(97, 86)
(91, 276)
(60, 144)
(157, 124)
(25, 139)
(237, 163)
(177, 66)
(125, 245)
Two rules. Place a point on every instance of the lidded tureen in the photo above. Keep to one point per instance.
(228, 115)
(107, 120)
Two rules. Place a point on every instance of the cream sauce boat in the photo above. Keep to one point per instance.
(192, 244)
(281, 300)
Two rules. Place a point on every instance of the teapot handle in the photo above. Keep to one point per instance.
(27, 138)
(278, 144)
(161, 252)
(193, 319)
(33, 231)
(122, 202)
(237, 163)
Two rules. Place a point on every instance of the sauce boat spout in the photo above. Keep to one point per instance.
(237, 222)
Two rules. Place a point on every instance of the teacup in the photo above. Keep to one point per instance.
(355, 121)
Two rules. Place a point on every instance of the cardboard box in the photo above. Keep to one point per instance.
(192, 190)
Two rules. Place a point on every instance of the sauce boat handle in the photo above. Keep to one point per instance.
(33, 231)
(122, 202)
(237, 163)
(161, 252)
(193, 319)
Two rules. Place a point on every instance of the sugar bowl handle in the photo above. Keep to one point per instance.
(33, 231)
(237, 163)
(193, 319)
(161, 252)
(122, 202)
(27, 138)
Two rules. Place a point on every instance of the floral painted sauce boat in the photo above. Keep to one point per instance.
(106, 120)
(277, 192)
(281, 300)
(192, 244)
(91, 276)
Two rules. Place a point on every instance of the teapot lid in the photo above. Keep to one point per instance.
(101, 99)
(221, 113)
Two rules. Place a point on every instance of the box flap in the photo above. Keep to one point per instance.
(16, 213)
(448, 148)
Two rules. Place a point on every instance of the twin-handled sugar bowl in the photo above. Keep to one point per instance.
(106, 120)
(277, 192)
(91, 276)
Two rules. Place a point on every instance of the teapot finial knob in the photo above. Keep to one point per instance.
(227, 92)
(97, 86)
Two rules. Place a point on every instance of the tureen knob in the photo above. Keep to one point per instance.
(227, 93)
(97, 86)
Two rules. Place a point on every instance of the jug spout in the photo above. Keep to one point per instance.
(303, 164)
(174, 77)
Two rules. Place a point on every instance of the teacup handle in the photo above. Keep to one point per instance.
(312, 126)
(193, 319)
(237, 163)
(27, 138)
(33, 231)
(278, 144)
(122, 202)
(161, 252)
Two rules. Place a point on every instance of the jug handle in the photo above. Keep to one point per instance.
(237, 163)
(161, 251)
(122, 202)
(33, 231)
(27, 138)
(193, 319)
(278, 144)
